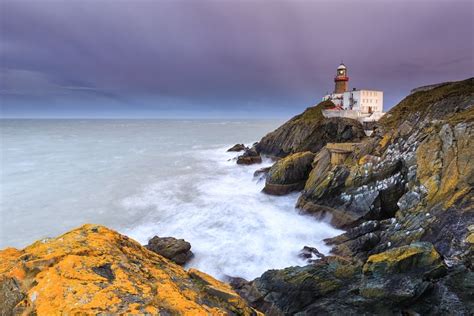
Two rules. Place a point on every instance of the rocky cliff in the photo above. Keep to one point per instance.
(94, 270)
(406, 198)
(309, 131)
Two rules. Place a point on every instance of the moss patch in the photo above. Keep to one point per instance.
(420, 102)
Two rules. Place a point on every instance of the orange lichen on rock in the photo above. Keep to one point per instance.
(93, 270)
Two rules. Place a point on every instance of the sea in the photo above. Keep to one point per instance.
(152, 177)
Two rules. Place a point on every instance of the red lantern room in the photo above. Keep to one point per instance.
(341, 79)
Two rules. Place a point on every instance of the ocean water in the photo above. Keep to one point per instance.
(151, 177)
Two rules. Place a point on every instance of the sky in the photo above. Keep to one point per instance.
(218, 58)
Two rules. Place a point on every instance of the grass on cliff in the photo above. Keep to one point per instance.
(313, 114)
(420, 102)
(462, 117)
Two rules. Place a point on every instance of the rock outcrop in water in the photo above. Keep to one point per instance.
(94, 270)
(309, 131)
(237, 148)
(406, 198)
(177, 250)
(249, 157)
(289, 174)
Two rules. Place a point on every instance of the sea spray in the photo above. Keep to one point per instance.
(146, 178)
(234, 228)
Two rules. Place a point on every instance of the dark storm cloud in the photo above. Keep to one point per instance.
(221, 56)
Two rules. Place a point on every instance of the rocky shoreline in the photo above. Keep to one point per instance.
(404, 196)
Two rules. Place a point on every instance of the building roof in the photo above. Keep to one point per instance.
(341, 66)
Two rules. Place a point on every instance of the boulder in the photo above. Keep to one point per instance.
(289, 174)
(237, 148)
(249, 157)
(94, 270)
(177, 250)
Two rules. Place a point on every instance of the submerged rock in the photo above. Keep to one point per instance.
(237, 148)
(289, 174)
(177, 250)
(94, 270)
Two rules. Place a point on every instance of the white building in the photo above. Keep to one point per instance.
(364, 105)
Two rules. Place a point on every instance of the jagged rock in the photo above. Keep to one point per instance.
(363, 192)
(293, 290)
(310, 131)
(310, 254)
(401, 275)
(249, 157)
(10, 296)
(261, 173)
(177, 250)
(406, 198)
(409, 279)
(289, 174)
(237, 148)
(357, 241)
(94, 270)
(412, 162)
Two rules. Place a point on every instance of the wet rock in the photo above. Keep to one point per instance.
(401, 280)
(310, 254)
(297, 289)
(261, 173)
(248, 291)
(249, 157)
(237, 148)
(289, 174)
(177, 250)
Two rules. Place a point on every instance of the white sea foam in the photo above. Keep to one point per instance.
(145, 178)
(234, 229)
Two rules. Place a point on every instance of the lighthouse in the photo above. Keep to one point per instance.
(360, 104)
(341, 79)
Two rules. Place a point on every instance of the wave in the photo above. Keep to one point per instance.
(234, 229)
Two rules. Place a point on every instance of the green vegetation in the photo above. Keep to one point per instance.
(420, 102)
(313, 114)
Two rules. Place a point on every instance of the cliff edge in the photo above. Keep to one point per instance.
(309, 131)
(95, 270)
